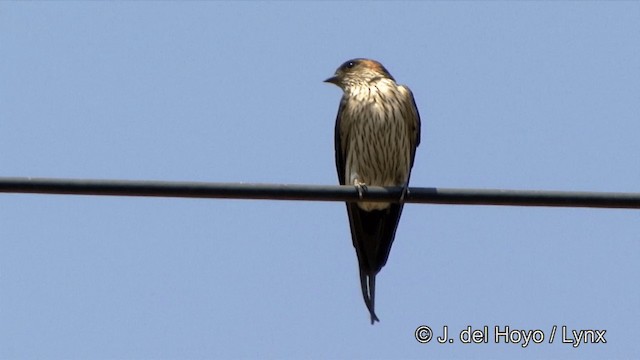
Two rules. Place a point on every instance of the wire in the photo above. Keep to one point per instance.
(318, 192)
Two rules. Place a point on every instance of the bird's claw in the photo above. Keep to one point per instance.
(361, 187)
(405, 192)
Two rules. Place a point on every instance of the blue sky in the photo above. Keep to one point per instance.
(527, 95)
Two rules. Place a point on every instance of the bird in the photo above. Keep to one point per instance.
(377, 132)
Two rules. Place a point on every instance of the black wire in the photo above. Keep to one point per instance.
(318, 192)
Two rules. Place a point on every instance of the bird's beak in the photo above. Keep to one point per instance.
(333, 80)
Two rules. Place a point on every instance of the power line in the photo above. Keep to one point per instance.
(318, 192)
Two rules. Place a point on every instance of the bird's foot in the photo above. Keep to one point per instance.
(361, 187)
(405, 192)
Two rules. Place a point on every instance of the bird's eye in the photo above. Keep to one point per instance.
(348, 65)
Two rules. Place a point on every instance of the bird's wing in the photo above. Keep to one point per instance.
(373, 233)
(341, 136)
(413, 121)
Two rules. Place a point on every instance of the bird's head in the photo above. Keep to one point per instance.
(359, 72)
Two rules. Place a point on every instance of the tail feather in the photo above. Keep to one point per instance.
(368, 295)
(372, 233)
(372, 298)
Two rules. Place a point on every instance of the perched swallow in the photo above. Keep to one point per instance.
(376, 135)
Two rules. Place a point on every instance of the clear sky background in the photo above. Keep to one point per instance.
(527, 95)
